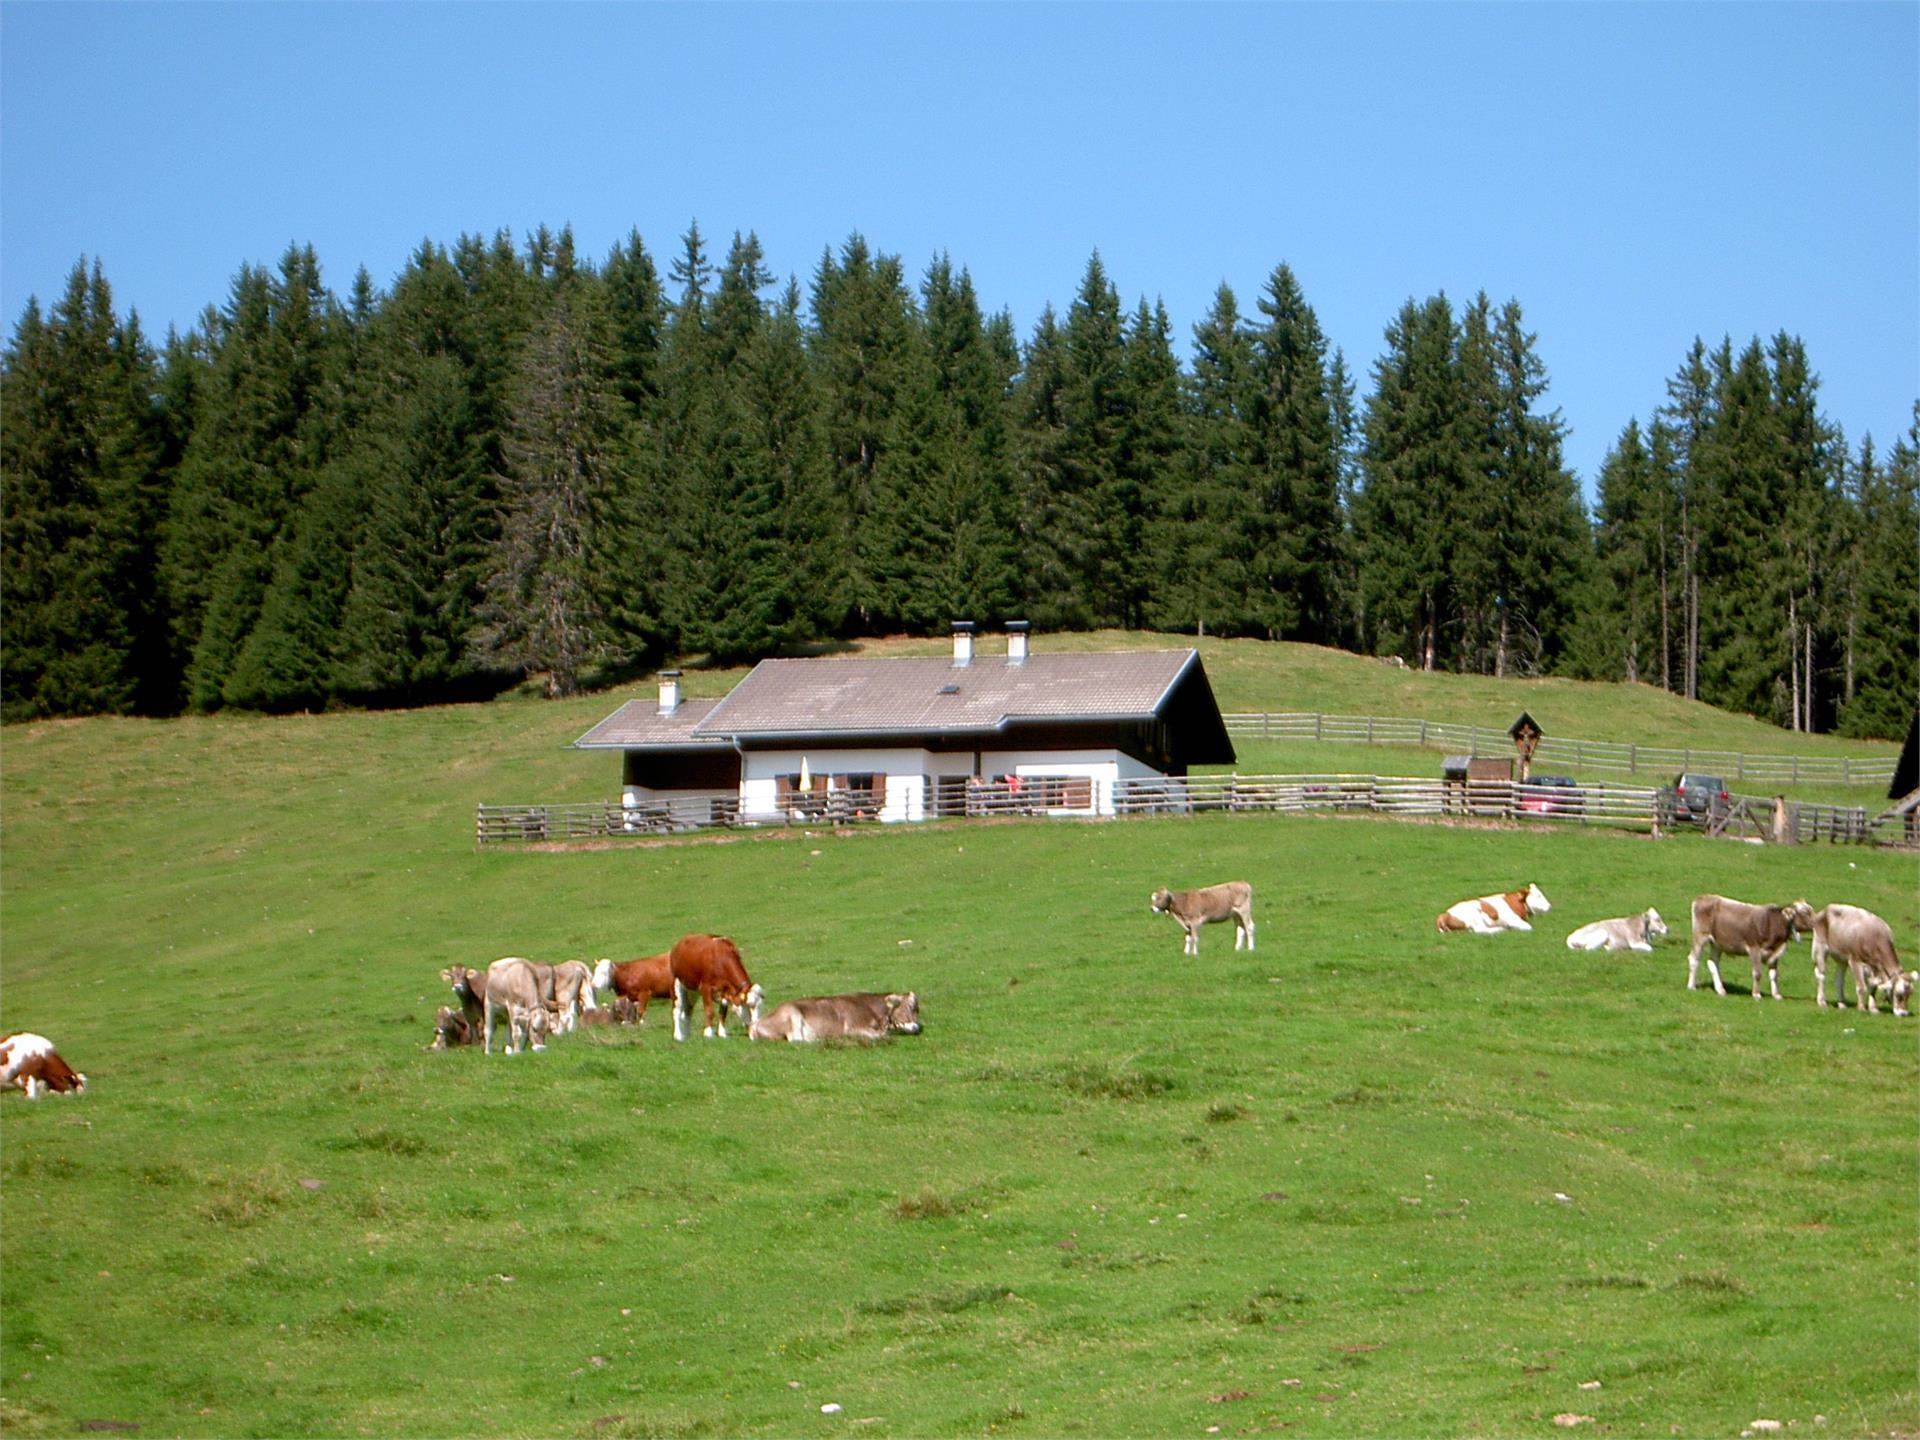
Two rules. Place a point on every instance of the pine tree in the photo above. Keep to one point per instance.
(1883, 636)
(1202, 524)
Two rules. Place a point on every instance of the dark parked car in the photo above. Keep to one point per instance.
(1564, 799)
(1694, 799)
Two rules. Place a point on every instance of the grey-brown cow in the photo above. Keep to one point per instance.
(863, 1016)
(1733, 927)
(519, 990)
(1194, 908)
(1865, 942)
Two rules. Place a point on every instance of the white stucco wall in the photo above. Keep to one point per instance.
(906, 773)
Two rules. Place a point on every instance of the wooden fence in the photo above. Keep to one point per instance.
(1598, 804)
(1572, 754)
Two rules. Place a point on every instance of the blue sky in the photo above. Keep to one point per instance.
(1634, 175)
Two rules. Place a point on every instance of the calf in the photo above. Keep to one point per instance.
(621, 1012)
(864, 1016)
(517, 989)
(1490, 914)
(710, 966)
(451, 1029)
(1632, 932)
(31, 1062)
(638, 981)
(1194, 908)
(1727, 927)
(1865, 942)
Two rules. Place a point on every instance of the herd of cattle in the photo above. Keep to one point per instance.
(535, 1000)
(538, 1000)
(1858, 938)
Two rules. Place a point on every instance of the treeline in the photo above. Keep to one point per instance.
(516, 462)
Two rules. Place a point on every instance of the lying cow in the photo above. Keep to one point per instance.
(1490, 914)
(518, 990)
(864, 1016)
(1733, 927)
(638, 981)
(1194, 908)
(621, 1012)
(451, 1029)
(1632, 932)
(710, 966)
(1865, 942)
(31, 1062)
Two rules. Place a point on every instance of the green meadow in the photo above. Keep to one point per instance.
(1365, 1180)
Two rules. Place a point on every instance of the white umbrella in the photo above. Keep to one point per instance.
(806, 775)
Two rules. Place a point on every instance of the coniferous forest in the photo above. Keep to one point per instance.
(515, 462)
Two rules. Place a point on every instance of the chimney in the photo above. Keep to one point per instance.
(669, 691)
(962, 643)
(1017, 642)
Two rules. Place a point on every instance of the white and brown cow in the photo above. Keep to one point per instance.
(1733, 927)
(1194, 908)
(1865, 942)
(1490, 914)
(451, 1030)
(640, 981)
(31, 1062)
(864, 1016)
(710, 967)
(518, 990)
(1630, 932)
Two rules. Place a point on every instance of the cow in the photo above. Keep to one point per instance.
(31, 1062)
(1731, 927)
(1194, 908)
(471, 987)
(1490, 914)
(864, 1016)
(639, 981)
(572, 993)
(517, 989)
(621, 1012)
(710, 966)
(451, 1029)
(1865, 942)
(1631, 932)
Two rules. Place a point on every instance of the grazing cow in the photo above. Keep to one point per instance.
(517, 989)
(31, 1062)
(621, 1012)
(710, 966)
(450, 1030)
(1732, 927)
(637, 980)
(1865, 942)
(1490, 914)
(1631, 932)
(1194, 908)
(572, 993)
(864, 1016)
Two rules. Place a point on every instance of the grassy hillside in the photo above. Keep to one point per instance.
(1365, 1180)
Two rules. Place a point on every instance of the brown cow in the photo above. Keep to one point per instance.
(31, 1062)
(451, 1030)
(621, 1012)
(1865, 942)
(523, 992)
(642, 980)
(1731, 927)
(471, 987)
(1194, 908)
(710, 965)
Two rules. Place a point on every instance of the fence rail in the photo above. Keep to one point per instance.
(1599, 803)
(1574, 754)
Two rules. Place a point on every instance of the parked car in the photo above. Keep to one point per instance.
(1564, 798)
(1694, 799)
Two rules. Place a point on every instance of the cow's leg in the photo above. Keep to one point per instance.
(682, 1009)
(1249, 930)
(722, 1028)
(1820, 979)
(1863, 986)
(1192, 946)
(487, 1028)
(707, 997)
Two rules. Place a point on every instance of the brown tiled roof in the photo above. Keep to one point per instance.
(857, 695)
(639, 723)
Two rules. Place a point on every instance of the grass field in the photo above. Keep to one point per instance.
(1367, 1180)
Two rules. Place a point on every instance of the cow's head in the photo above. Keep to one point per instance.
(1161, 900)
(1799, 916)
(748, 999)
(1903, 983)
(603, 975)
(1536, 901)
(1656, 927)
(903, 1013)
